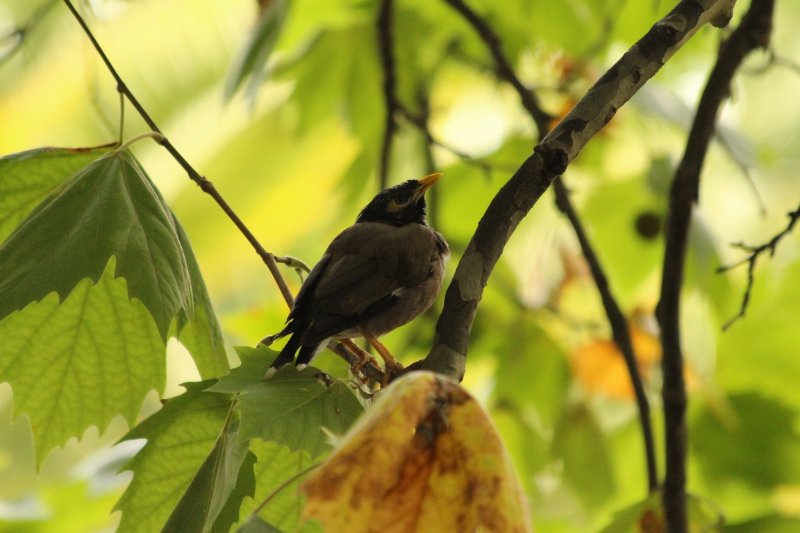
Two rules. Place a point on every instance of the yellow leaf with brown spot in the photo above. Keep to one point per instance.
(425, 457)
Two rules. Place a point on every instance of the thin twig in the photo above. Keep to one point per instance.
(616, 318)
(208, 187)
(386, 48)
(121, 117)
(752, 259)
(204, 184)
(421, 123)
(157, 137)
(753, 32)
(619, 329)
(502, 65)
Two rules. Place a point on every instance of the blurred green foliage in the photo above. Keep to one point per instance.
(294, 150)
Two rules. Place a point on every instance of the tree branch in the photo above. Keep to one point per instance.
(752, 33)
(619, 329)
(616, 318)
(550, 159)
(386, 48)
(755, 252)
(206, 186)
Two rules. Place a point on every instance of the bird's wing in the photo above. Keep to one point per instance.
(367, 263)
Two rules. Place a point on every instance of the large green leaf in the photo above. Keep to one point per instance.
(292, 408)
(216, 492)
(28, 177)
(617, 236)
(756, 443)
(109, 208)
(180, 438)
(759, 351)
(277, 504)
(533, 374)
(102, 206)
(81, 362)
(259, 47)
(580, 443)
(200, 332)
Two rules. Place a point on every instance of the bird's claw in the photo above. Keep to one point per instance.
(392, 371)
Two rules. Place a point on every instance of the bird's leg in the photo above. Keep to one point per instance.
(392, 366)
(364, 357)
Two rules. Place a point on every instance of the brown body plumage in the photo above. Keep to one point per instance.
(375, 276)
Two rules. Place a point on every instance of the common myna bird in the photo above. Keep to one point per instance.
(375, 276)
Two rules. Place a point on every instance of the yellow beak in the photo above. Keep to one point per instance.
(425, 184)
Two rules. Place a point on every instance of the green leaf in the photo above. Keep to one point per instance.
(648, 515)
(292, 408)
(109, 208)
(82, 362)
(179, 439)
(245, 486)
(755, 442)
(259, 47)
(255, 524)
(761, 347)
(631, 518)
(580, 443)
(772, 524)
(618, 238)
(28, 177)
(533, 375)
(227, 468)
(201, 332)
(279, 472)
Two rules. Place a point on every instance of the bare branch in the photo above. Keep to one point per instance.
(751, 260)
(752, 33)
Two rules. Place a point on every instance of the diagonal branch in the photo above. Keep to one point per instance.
(386, 48)
(550, 159)
(751, 260)
(616, 319)
(345, 351)
(204, 184)
(752, 33)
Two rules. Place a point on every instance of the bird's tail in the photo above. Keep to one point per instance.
(287, 353)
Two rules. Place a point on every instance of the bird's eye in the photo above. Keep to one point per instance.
(394, 205)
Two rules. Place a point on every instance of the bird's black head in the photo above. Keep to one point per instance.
(400, 205)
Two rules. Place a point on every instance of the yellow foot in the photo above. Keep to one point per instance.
(364, 358)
